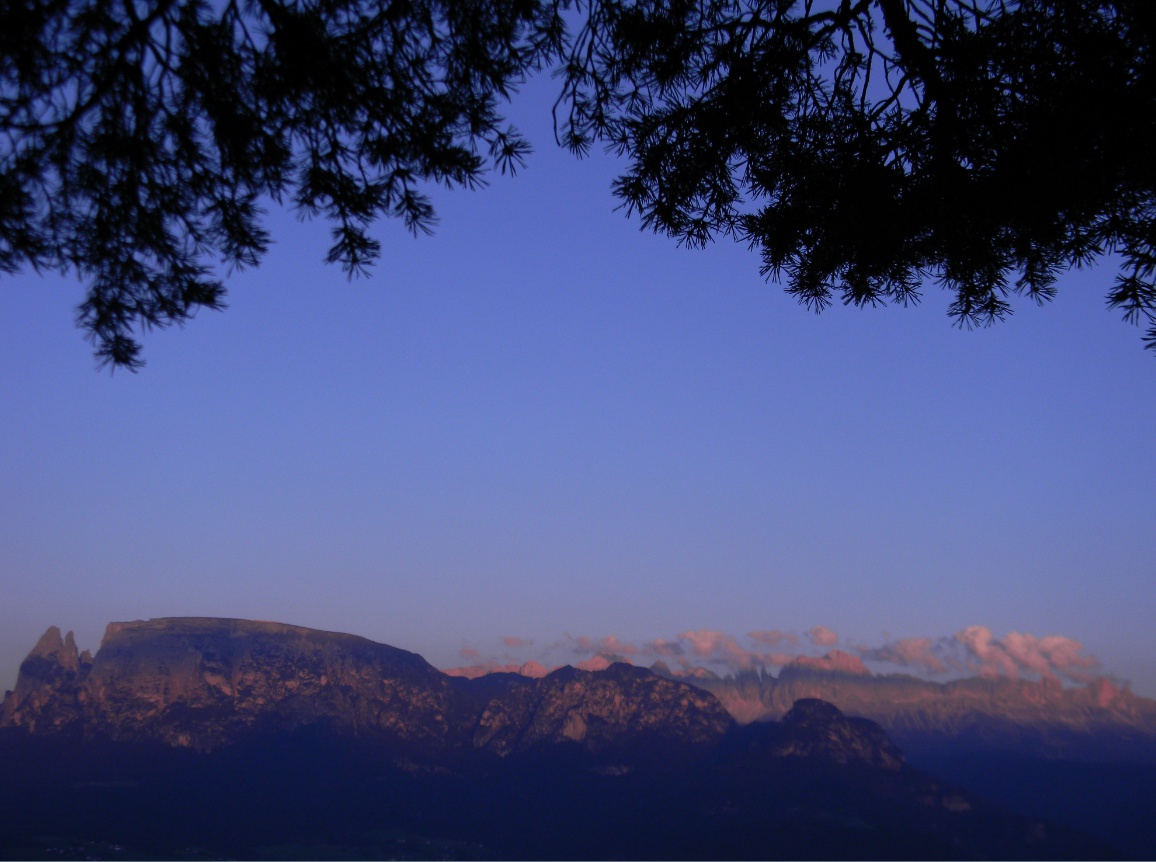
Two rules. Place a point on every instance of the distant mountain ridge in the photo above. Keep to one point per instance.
(1097, 721)
(190, 736)
(196, 682)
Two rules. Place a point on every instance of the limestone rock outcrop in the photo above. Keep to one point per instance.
(48, 691)
(204, 682)
(1098, 720)
(617, 709)
(815, 728)
(198, 682)
(304, 739)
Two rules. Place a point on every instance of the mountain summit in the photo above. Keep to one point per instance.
(204, 682)
(1097, 721)
(190, 736)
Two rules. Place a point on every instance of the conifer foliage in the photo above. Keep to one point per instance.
(868, 147)
(139, 138)
(864, 149)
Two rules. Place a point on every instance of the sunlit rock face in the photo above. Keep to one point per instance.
(301, 736)
(1097, 720)
(198, 682)
(204, 682)
(835, 661)
(531, 668)
(48, 690)
(621, 707)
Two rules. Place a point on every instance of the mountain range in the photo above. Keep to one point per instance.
(205, 737)
(1098, 721)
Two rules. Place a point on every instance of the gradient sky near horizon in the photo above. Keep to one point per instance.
(541, 423)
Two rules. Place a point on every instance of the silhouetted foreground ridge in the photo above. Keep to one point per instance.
(192, 737)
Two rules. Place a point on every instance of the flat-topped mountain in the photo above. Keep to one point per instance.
(197, 682)
(189, 736)
(204, 682)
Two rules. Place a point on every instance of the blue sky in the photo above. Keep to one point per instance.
(541, 421)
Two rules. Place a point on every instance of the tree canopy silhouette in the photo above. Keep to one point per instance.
(139, 137)
(864, 148)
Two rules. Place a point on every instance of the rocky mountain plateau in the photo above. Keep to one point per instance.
(220, 738)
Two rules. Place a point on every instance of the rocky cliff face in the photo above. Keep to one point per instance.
(304, 740)
(1099, 720)
(196, 683)
(200, 683)
(609, 711)
(47, 693)
(815, 728)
